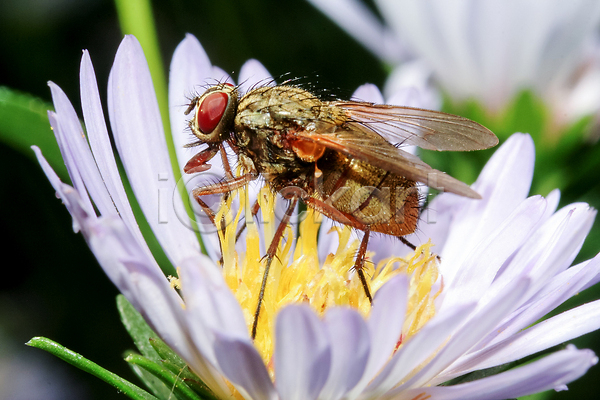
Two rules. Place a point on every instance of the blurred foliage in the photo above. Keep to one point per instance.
(59, 291)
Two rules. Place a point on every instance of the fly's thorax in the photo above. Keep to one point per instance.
(277, 108)
(387, 202)
(266, 120)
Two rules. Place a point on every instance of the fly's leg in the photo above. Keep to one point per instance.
(221, 187)
(360, 263)
(254, 211)
(270, 255)
(347, 219)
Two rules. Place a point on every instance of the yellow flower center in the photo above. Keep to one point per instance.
(300, 278)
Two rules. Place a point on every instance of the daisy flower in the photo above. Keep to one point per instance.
(486, 50)
(504, 262)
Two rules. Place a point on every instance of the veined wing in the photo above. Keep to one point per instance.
(364, 145)
(427, 129)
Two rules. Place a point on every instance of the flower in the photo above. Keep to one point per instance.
(488, 51)
(504, 264)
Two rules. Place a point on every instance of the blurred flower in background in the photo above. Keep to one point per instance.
(489, 50)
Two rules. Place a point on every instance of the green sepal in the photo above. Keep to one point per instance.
(175, 364)
(170, 379)
(137, 328)
(154, 349)
(24, 123)
(126, 387)
(156, 386)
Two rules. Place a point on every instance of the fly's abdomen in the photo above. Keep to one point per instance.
(384, 201)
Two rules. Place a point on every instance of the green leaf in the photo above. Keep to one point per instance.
(175, 364)
(24, 123)
(178, 386)
(137, 328)
(155, 385)
(126, 387)
(154, 349)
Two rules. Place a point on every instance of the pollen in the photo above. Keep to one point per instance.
(297, 276)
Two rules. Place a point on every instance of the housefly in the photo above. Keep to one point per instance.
(341, 158)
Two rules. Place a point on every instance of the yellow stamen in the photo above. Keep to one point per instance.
(301, 278)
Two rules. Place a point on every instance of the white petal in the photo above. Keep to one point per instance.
(369, 93)
(385, 327)
(74, 205)
(243, 366)
(482, 321)
(478, 272)
(562, 287)
(551, 332)
(504, 183)
(551, 372)
(418, 349)
(139, 136)
(350, 346)
(189, 74)
(302, 353)
(66, 127)
(409, 85)
(252, 75)
(101, 146)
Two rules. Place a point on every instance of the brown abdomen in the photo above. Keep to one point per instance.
(386, 202)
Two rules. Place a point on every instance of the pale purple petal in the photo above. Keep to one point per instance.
(369, 93)
(219, 75)
(418, 349)
(409, 85)
(503, 184)
(209, 299)
(189, 75)
(473, 280)
(63, 126)
(483, 320)
(549, 250)
(77, 210)
(139, 136)
(302, 353)
(551, 372)
(242, 365)
(562, 287)
(350, 346)
(544, 335)
(252, 75)
(385, 327)
(101, 146)
(577, 224)
(80, 154)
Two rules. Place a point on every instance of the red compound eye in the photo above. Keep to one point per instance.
(211, 110)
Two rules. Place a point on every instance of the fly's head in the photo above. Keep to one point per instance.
(214, 112)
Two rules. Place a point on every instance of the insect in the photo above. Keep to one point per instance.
(335, 156)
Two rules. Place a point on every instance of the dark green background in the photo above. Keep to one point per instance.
(52, 285)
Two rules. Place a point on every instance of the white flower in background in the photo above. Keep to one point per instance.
(504, 264)
(488, 50)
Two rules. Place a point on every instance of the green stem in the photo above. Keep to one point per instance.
(88, 366)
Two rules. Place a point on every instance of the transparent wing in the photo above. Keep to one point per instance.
(364, 145)
(427, 129)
